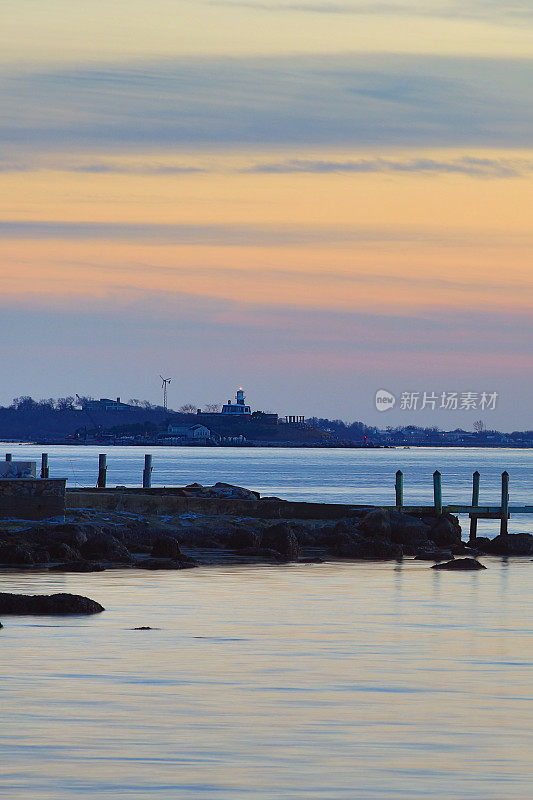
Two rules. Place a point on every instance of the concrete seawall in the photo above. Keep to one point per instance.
(172, 502)
(32, 498)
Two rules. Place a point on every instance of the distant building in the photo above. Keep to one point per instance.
(238, 407)
(189, 431)
(105, 404)
(239, 410)
(265, 418)
(457, 436)
(240, 439)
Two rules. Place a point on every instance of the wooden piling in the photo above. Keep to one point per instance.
(45, 472)
(147, 472)
(475, 504)
(437, 492)
(102, 470)
(399, 489)
(505, 504)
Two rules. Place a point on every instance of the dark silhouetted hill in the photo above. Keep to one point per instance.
(55, 420)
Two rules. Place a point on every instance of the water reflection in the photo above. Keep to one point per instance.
(338, 682)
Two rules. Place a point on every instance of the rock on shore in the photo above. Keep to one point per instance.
(513, 544)
(48, 604)
(92, 540)
(460, 564)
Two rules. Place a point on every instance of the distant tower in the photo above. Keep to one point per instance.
(239, 407)
(166, 381)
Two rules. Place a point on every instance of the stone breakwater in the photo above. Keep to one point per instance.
(219, 531)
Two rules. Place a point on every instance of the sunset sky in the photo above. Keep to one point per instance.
(312, 199)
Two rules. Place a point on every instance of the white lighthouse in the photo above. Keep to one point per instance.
(239, 406)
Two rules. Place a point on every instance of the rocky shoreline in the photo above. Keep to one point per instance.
(88, 540)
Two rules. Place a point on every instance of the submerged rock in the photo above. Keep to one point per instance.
(49, 604)
(460, 564)
(144, 628)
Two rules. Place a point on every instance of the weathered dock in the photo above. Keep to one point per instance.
(474, 510)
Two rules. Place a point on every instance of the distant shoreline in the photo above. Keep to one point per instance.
(274, 445)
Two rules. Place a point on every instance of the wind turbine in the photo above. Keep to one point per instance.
(164, 385)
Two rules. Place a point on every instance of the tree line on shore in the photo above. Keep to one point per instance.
(27, 404)
(26, 416)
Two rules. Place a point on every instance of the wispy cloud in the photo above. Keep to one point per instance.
(219, 319)
(234, 235)
(492, 10)
(471, 166)
(363, 100)
(465, 284)
(468, 165)
(101, 168)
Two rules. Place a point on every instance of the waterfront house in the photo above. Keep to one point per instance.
(189, 431)
(105, 404)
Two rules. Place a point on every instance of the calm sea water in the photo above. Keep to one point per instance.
(330, 682)
(298, 682)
